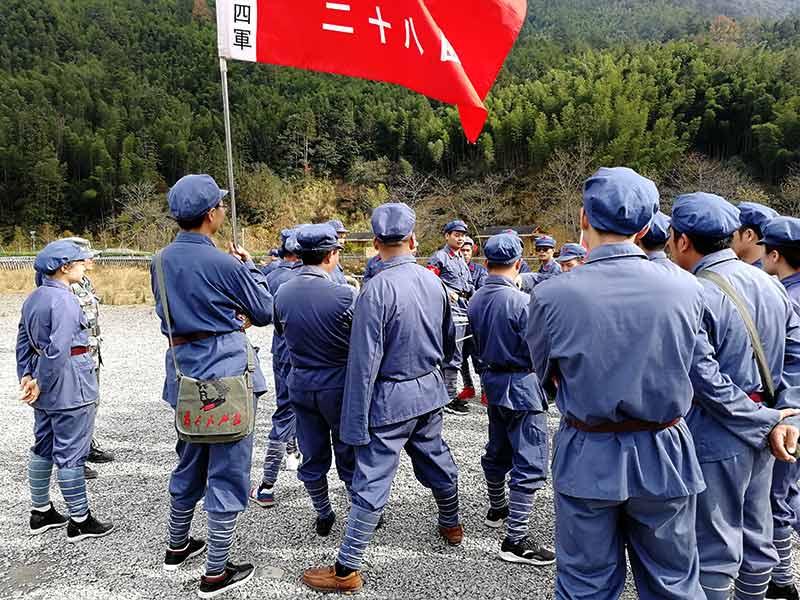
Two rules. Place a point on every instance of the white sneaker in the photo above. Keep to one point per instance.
(293, 461)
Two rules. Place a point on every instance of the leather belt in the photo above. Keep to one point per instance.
(78, 350)
(196, 337)
(630, 426)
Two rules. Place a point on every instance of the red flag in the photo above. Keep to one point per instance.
(450, 51)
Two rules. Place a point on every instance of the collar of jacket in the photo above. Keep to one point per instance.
(714, 259)
(189, 237)
(617, 250)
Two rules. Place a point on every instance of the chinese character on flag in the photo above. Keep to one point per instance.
(450, 51)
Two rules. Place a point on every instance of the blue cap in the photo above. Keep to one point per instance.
(545, 242)
(781, 231)
(313, 238)
(468, 241)
(755, 214)
(393, 222)
(659, 231)
(707, 215)
(59, 253)
(193, 196)
(503, 249)
(619, 200)
(571, 252)
(455, 226)
(292, 246)
(338, 226)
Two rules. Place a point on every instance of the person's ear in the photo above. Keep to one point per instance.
(642, 233)
(584, 220)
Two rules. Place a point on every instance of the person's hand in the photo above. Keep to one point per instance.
(29, 390)
(239, 252)
(246, 322)
(783, 438)
(454, 297)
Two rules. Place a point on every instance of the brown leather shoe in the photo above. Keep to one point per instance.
(453, 535)
(324, 579)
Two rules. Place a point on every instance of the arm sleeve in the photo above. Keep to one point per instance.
(249, 290)
(363, 365)
(449, 342)
(539, 344)
(26, 356)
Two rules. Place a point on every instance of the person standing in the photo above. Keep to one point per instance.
(752, 218)
(545, 252)
(478, 273)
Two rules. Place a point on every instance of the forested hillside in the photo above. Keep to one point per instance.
(106, 102)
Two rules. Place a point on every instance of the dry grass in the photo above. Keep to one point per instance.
(115, 285)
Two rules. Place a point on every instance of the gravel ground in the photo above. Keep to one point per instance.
(406, 558)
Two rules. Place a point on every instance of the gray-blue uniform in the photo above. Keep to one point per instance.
(551, 267)
(206, 290)
(337, 275)
(625, 471)
(756, 216)
(450, 267)
(518, 437)
(394, 391)
(53, 348)
(657, 237)
(734, 525)
(314, 314)
(784, 232)
(373, 268)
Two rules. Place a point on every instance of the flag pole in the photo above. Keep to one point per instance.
(226, 109)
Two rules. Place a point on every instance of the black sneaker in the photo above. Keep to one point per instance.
(457, 407)
(231, 578)
(526, 552)
(90, 528)
(175, 558)
(323, 526)
(495, 517)
(98, 455)
(45, 521)
(89, 472)
(782, 592)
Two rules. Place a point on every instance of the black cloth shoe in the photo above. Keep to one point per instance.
(526, 552)
(323, 526)
(782, 592)
(231, 578)
(89, 472)
(45, 521)
(90, 528)
(495, 517)
(98, 455)
(175, 558)
(457, 407)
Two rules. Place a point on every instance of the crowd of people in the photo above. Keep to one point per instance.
(677, 379)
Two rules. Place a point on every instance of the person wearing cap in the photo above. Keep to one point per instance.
(90, 304)
(752, 217)
(208, 292)
(394, 392)
(734, 524)
(314, 314)
(654, 243)
(545, 251)
(570, 257)
(518, 448)
(625, 471)
(781, 240)
(57, 379)
(373, 268)
(478, 273)
(525, 268)
(279, 256)
(449, 265)
(338, 275)
(282, 438)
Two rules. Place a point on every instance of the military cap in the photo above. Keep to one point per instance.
(706, 215)
(781, 231)
(571, 252)
(338, 226)
(503, 249)
(545, 241)
(57, 254)
(619, 200)
(83, 243)
(755, 214)
(312, 238)
(193, 196)
(393, 222)
(468, 241)
(455, 226)
(659, 230)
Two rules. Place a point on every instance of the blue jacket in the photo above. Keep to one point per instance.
(285, 272)
(619, 336)
(373, 268)
(206, 289)
(452, 270)
(720, 435)
(478, 273)
(498, 314)
(53, 323)
(660, 258)
(338, 276)
(402, 333)
(792, 285)
(269, 268)
(314, 315)
(550, 268)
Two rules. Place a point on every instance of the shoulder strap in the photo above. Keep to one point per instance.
(758, 348)
(162, 292)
